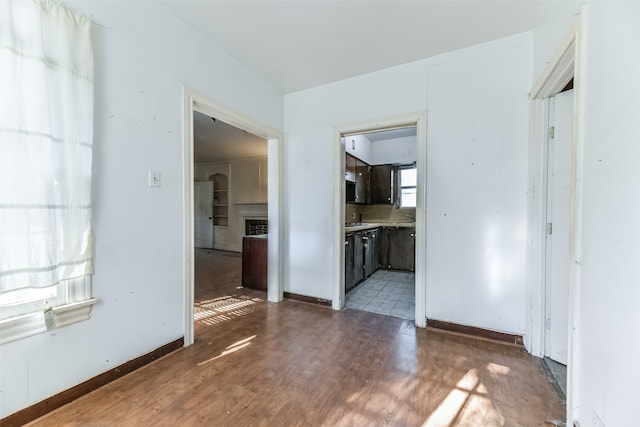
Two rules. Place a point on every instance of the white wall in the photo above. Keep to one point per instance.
(143, 57)
(358, 146)
(552, 25)
(395, 150)
(476, 102)
(607, 350)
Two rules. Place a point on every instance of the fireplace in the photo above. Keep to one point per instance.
(254, 227)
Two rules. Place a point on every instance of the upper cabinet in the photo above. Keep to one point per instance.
(249, 180)
(381, 184)
(369, 185)
(362, 182)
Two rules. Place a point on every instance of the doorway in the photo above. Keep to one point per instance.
(380, 211)
(566, 66)
(222, 288)
(342, 135)
(558, 217)
(199, 106)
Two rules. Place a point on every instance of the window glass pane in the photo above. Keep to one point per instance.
(408, 198)
(408, 177)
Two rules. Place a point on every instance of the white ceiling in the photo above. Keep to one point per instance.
(220, 142)
(300, 44)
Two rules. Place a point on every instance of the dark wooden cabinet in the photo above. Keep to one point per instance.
(401, 248)
(371, 256)
(362, 182)
(367, 251)
(358, 258)
(383, 247)
(254, 262)
(381, 188)
(348, 263)
(350, 168)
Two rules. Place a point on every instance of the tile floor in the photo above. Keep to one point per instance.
(387, 292)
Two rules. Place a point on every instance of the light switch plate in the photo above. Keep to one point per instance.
(154, 178)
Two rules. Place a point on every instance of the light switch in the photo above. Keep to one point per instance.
(154, 178)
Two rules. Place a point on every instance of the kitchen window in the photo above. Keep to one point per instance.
(408, 185)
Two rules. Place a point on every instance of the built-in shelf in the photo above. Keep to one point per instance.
(220, 199)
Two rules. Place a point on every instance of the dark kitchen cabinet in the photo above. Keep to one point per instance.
(383, 247)
(371, 257)
(254, 262)
(358, 257)
(350, 168)
(401, 248)
(381, 188)
(362, 182)
(348, 263)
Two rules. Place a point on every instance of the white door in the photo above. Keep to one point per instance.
(558, 217)
(203, 221)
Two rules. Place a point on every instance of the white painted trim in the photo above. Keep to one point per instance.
(418, 119)
(567, 62)
(16, 328)
(194, 100)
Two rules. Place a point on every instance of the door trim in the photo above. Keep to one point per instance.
(418, 119)
(194, 100)
(566, 63)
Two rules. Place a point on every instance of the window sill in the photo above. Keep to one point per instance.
(19, 327)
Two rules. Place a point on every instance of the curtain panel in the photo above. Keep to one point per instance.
(46, 138)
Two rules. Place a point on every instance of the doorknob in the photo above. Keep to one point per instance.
(210, 217)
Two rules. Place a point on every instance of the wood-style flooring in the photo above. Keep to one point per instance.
(296, 364)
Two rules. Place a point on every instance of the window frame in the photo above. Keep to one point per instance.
(402, 187)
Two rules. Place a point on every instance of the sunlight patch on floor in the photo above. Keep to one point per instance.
(218, 310)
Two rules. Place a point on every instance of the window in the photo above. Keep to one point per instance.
(408, 182)
(46, 129)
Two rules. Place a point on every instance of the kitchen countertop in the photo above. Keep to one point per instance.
(370, 225)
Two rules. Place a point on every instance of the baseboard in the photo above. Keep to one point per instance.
(476, 332)
(39, 409)
(305, 298)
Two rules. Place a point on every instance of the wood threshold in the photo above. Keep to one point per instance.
(476, 332)
(304, 298)
(52, 403)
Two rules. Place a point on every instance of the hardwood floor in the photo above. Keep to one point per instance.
(297, 364)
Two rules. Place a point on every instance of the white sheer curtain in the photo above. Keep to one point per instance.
(46, 137)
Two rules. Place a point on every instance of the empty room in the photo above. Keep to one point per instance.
(449, 233)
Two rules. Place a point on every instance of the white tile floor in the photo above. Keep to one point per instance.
(385, 292)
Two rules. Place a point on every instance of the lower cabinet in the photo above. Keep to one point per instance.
(371, 257)
(254, 262)
(367, 251)
(358, 257)
(401, 249)
(348, 262)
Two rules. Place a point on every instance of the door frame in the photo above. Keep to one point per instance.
(194, 100)
(419, 120)
(567, 62)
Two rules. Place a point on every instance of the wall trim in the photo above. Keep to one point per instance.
(58, 400)
(304, 298)
(476, 332)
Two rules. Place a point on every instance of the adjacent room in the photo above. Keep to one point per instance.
(230, 223)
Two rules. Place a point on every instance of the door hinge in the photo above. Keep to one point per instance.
(552, 132)
(548, 323)
(549, 228)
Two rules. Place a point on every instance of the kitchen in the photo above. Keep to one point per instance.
(380, 189)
